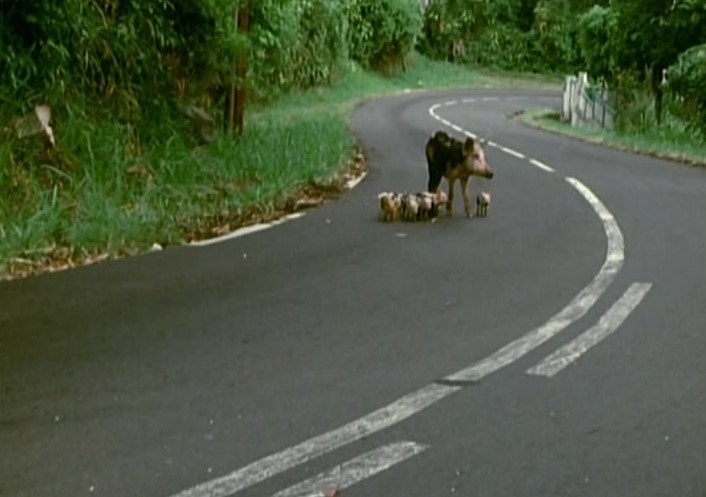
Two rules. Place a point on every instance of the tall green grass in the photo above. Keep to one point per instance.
(112, 193)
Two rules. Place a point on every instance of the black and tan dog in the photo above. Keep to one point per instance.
(455, 160)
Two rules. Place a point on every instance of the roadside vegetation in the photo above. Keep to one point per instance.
(670, 141)
(145, 143)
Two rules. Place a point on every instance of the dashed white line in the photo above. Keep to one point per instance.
(354, 471)
(609, 322)
(541, 165)
(419, 400)
(512, 152)
(273, 464)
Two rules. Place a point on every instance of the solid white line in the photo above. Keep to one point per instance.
(541, 165)
(247, 230)
(354, 471)
(513, 152)
(609, 322)
(457, 128)
(469, 134)
(577, 308)
(276, 463)
(415, 402)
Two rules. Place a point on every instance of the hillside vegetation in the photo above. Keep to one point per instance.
(117, 116)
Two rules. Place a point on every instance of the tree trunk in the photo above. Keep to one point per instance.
(235, 100)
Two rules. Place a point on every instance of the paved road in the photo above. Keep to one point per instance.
(554, 348)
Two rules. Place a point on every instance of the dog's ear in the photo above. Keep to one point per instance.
(469, 146)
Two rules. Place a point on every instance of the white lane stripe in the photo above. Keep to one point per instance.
(513, 152)
(541, 165)
(457, 128)
(276, 463)
(609, 322)
(421, 399)
(247, 230)
(450, 103)
(490, 99)
(468, 100)
(576, 309)
(354, 471)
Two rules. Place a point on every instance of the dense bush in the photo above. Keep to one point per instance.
(687, 82)
(382, 32)
(594, 33)
(296, 44)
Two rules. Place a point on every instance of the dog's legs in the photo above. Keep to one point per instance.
(466, 201)
(450, 202)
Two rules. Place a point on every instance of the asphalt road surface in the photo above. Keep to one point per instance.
(554, 348)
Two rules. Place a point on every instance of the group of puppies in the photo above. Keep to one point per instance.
(447, 158)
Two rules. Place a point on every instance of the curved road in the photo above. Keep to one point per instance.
(554, 348)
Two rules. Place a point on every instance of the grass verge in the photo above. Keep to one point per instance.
(671, 141)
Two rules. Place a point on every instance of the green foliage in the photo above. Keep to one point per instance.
(687, 83)
(295, 44)
(594, 34)
(382, 32)
(479, 31)
(554, 33)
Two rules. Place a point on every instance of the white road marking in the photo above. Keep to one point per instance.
(450, 103)
(247, 230)
(457, 128)
(353, 182)
(490, 99)
(354, 471)
(512, 152)
(419, 400)
(577, 308)
(276, 463)
(541, 165)
(468, 100)
(609, 322)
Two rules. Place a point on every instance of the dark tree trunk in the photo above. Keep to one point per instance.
(235, 99)
(657, 91)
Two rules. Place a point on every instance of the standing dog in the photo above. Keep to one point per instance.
(455, 160)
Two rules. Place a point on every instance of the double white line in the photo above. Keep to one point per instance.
(383, 458)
